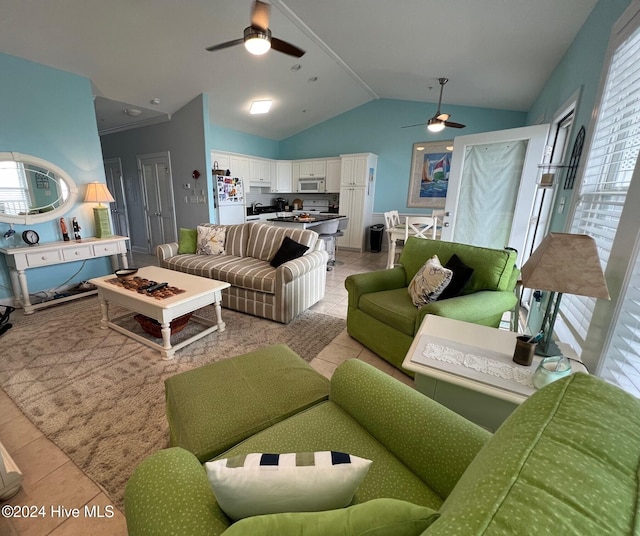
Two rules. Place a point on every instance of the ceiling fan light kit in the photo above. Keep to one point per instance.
(256, 41)
(435, 125)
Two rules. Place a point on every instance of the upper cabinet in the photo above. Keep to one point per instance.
(334, 166)
(259, 172)
(313, 169)
(239, 166)
(356, 169)
(282, 182)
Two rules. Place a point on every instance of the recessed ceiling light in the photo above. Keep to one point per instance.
(132, 112)
(260, 107)
(155, 100)
(313, 79)
(296, 67)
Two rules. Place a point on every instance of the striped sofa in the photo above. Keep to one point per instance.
(257, 288)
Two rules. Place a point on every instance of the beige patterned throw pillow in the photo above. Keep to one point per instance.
(211, 239)
(429, 282)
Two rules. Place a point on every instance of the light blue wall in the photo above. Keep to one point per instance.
(376, 127)
(234, 141)
(580, 68)
(49, 113)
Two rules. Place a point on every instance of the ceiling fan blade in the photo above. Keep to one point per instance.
(260, 15)
(225, 45)
(441, 117)
(454, 125)
(416, 125)
(286, 48)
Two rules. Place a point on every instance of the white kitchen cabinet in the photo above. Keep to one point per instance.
(259, 173)
(334, 168)
(239, 166)
(295, 176)
(223, 161)
(283, 180)
(356, 198)
(313, 169)
(356, 169)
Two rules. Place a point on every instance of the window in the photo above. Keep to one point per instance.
(13, 188)
(608, 333)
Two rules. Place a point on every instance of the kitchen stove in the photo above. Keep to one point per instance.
(313, 205)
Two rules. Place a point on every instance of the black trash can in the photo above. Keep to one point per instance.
(375, 237)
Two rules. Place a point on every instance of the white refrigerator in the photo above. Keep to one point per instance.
(230, 200)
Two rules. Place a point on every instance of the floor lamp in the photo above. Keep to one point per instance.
(98, 192)
(563, 264)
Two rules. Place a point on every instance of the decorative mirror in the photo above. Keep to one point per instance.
(33, 190)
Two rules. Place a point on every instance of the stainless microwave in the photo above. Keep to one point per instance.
(311, 186)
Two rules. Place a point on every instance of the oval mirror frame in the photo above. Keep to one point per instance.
(55, 212)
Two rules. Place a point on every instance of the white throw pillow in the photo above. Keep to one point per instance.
(211, 239)
(257, 483)
(429, 282)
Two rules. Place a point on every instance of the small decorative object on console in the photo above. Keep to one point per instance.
(63, 228)
(30, 237)
(76, 229)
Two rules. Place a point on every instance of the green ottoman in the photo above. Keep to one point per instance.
(214, 407)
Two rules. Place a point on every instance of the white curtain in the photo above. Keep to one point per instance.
(488, 193)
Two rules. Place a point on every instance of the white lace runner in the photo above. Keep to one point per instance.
(523, 376)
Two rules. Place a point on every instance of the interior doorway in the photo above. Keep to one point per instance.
(157, 194)
(115, 184)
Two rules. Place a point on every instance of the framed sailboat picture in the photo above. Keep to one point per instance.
(430, 165)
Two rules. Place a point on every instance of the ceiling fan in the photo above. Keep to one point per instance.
(439, 120)
(257, 37)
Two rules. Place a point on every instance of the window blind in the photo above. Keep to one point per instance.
(608, 171)
(13, 188)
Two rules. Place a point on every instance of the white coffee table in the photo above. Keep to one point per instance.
(469, 368)
(199, 292)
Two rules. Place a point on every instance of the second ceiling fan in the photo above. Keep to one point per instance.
(257, 37)
(439, 120)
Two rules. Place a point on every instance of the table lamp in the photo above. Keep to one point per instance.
(563, 263)
(98, 192)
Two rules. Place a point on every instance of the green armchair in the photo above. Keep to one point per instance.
(383, 318)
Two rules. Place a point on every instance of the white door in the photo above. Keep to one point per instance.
(492, 187)
(157, 192)
(119, 215)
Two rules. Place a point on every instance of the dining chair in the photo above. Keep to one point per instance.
(391, 219)
(420, 226)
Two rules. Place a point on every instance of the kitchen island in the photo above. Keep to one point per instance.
(326, 225)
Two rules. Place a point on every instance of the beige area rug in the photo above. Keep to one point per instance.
(99, 395)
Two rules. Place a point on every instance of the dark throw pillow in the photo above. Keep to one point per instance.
(289, 250)
(461, 275)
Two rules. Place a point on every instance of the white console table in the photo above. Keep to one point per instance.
(21, 258)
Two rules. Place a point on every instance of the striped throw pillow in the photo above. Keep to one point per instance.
(259, 483)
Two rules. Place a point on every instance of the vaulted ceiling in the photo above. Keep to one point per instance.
(496, 54)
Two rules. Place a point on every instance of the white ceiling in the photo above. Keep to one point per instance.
(496, 54)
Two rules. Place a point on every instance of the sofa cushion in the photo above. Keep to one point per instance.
(236, 240)
(326, 426)
(289, 250)
(565, 462)
(391, 307)
(270, 483)
(188, 241)
(211, 239)
(429, 282)
(265, 239)
(492, 267)
(461, 276)
(378, 517)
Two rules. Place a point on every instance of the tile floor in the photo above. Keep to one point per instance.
(51, 479)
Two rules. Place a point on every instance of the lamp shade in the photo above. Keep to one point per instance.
(98, 192)
(568, 264)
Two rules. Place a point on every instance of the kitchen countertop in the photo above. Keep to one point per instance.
(313, 217)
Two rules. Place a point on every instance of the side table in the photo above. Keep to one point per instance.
(469, 368)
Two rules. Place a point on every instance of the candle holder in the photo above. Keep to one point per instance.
(551, 369)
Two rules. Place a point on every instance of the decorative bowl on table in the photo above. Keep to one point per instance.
(152, 327)
(126, 273)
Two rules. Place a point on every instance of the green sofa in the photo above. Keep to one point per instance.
(382, 316)
(565, 462)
